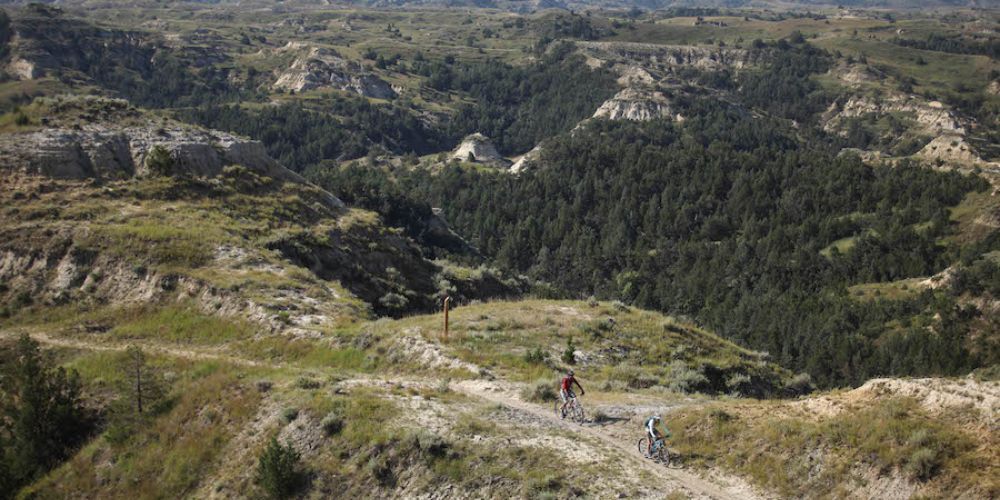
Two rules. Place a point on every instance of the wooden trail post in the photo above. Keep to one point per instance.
(447, 300)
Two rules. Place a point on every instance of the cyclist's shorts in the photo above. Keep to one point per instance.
(566, 395)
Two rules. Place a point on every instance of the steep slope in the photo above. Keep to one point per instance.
(414, 419)
(129, 209)
(403, 430)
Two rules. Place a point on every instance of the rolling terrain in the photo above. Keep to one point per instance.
(227, 231)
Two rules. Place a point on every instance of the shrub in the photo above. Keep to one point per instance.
(685, 379)
(159, 161)
(535, 356)
(394, 301)
(569, 355)
(308, 383)
(333, 423)
(738, 383)
(799, 385)
(720, 415)
(290, 414)
(923, 463)
(428, 443)
(632, 377)
(540, 392)
(597, 328)
(987, 374)
(264, 385)
(620, 306)
(444, 386)
(278, 470)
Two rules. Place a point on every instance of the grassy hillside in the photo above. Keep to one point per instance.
(923, 438)
(400, 430)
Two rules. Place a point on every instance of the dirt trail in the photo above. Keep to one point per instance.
(495, 392)
(691, 484)
(193, 354)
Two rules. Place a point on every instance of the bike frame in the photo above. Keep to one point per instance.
(657, 445)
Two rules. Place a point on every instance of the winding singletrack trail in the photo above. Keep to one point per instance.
(153, 348)
(496, 392)
(675, 479)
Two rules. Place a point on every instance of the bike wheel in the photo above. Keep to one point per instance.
(644, 447)
(664, 456)
(675, 461)
(578, 413)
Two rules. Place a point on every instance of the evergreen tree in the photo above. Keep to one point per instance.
(41, 415)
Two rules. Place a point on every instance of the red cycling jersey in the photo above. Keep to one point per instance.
(567, 382)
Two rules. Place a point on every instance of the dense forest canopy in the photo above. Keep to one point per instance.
(726, 223)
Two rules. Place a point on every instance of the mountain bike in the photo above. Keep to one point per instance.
(660, 452)
(574, 410)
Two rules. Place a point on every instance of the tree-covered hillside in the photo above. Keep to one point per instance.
(728, 219)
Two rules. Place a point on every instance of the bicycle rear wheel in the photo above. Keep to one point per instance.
(663, 455)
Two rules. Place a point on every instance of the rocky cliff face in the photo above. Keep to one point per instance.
(637, 104)
(325, 68)
(106, 152)
(115, 141)
(478, 148)
(668, 57)
(45, 41)
(931, 117)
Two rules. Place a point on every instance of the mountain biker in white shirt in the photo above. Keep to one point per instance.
(654, 433)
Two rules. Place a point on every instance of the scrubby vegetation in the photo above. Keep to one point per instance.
(615, 350)
(830, 454)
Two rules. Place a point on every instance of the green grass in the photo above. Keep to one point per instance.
(307, 353)
(167, 459)
(163, 243)
(500, 336)
(943, 72)
(891, 436)
(965, 215)
(181, 323)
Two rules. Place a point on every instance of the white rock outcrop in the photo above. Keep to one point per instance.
(527, 161)
(325, 68)
(105, 152)
(478, 148)
(668, 57)
(931, 117)
(637, 104)
(952, 150)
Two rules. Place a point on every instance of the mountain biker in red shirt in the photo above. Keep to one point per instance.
(566, 391)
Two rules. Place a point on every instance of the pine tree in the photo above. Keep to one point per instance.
(41, 415)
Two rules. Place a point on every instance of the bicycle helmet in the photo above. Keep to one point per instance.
(570, 373)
